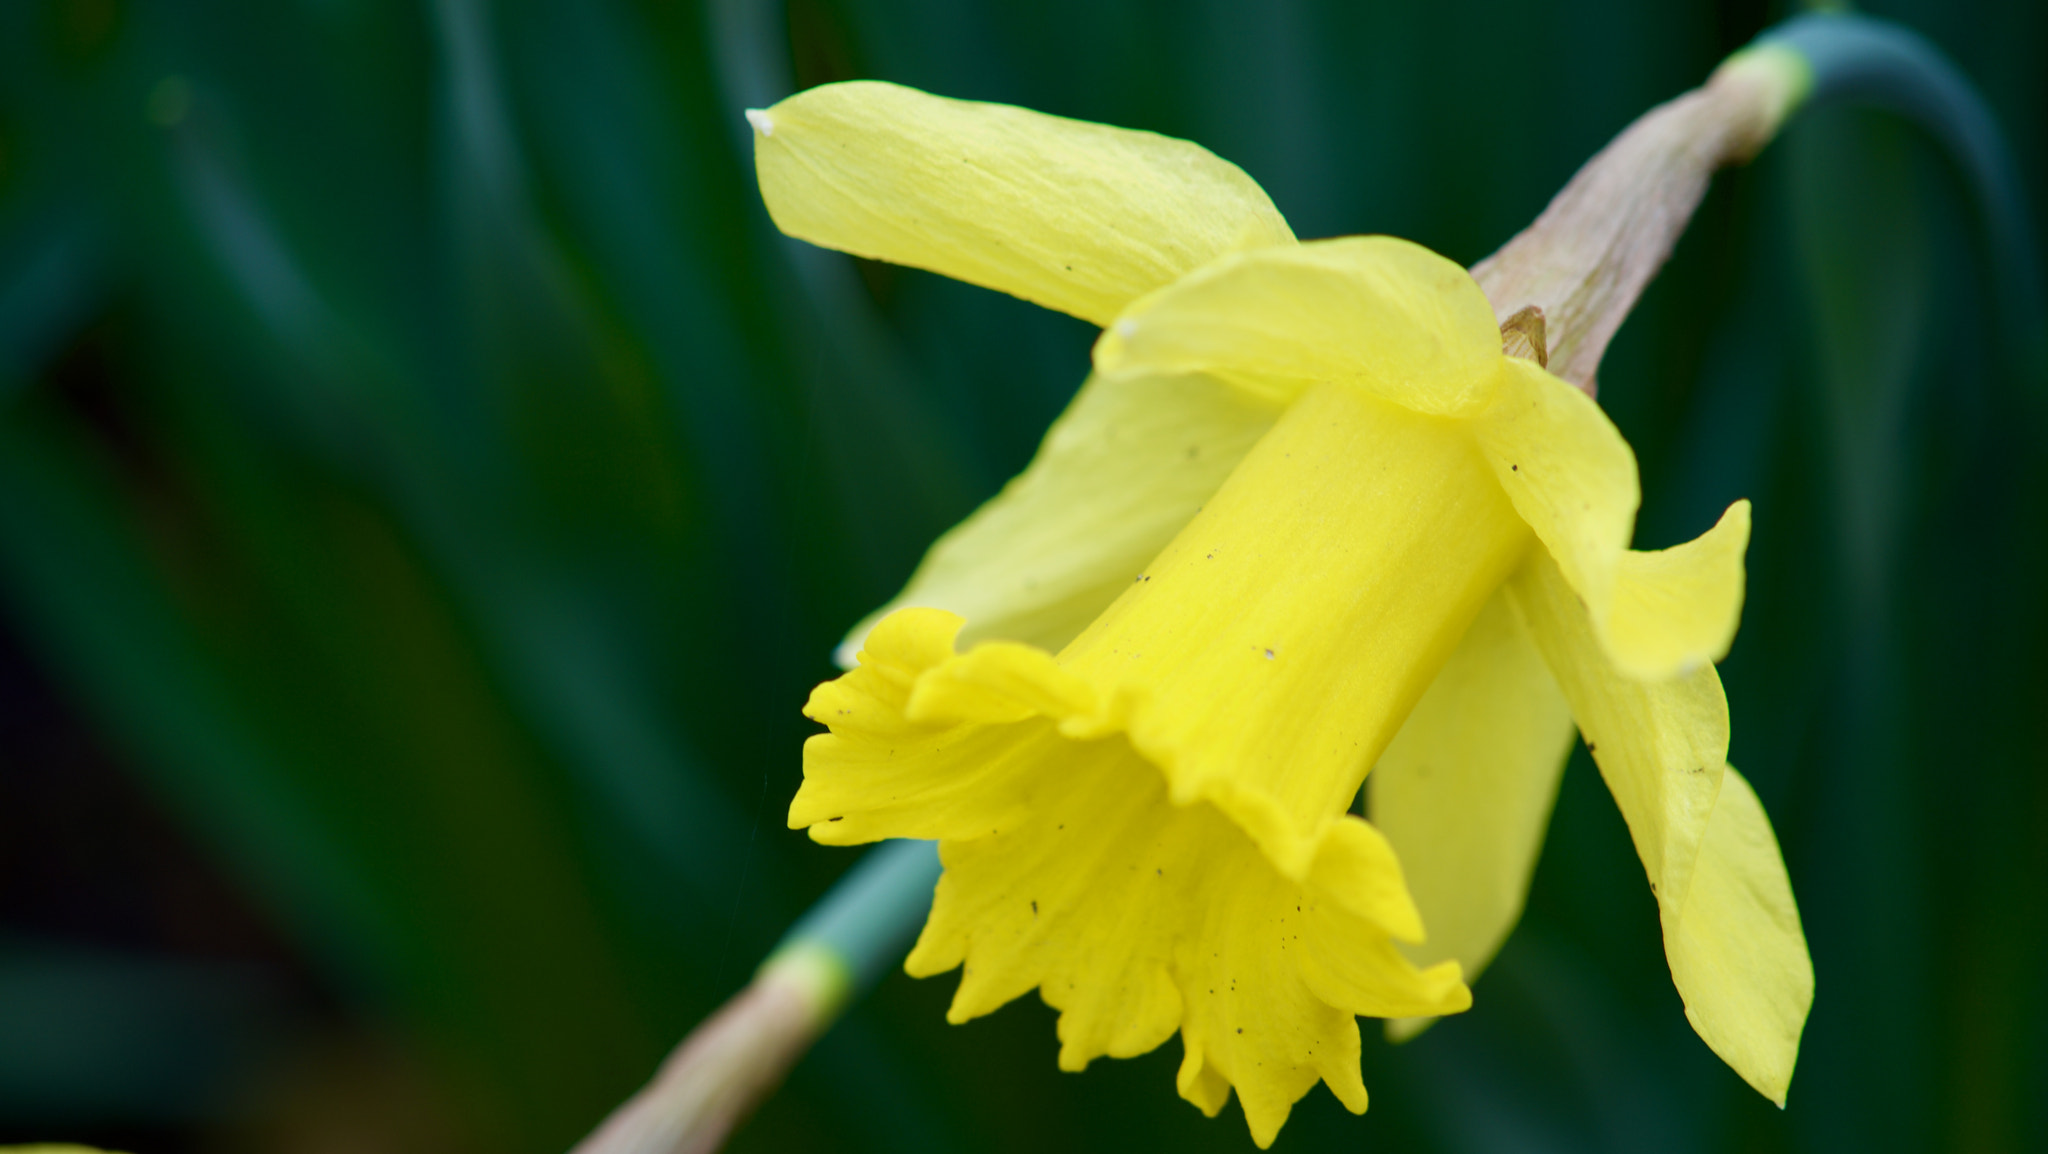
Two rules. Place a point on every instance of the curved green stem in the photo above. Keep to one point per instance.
(1859, 60)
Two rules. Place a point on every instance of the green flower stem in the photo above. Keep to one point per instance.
(1858, 60)
(865, 923)
(737, 1057)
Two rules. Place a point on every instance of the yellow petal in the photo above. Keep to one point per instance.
(1573, 479)
(1736, 949)
(1660, 745)
(1677, 608)
(1731, 930)
(1569, 473)
(1123, 469)
(1079, 217)
(1464, 792)
(1378, 313)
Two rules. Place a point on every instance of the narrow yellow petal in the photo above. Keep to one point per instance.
(1464, 792)
(1079, 217)
(1731, 929)
(1123, 469)
(1737, 952)
(1375, 312)
(1661, 745)
(1569, 473)
(1573, 479)
(1677, 608)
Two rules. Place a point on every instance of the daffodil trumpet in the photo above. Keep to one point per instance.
(1151, 861)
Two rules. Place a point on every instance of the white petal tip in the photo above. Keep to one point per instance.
(762, 122)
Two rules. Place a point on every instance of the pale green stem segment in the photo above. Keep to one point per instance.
(736, 1057)
(865, 923)
(1860, 60)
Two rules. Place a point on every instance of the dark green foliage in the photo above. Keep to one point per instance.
(424, 463)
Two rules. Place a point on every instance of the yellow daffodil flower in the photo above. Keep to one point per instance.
(1304, 521)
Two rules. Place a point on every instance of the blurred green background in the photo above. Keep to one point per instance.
(429, 486)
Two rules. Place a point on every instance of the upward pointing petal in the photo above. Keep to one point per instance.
(1079, 217)
(1676, 608)
(1569, 473)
